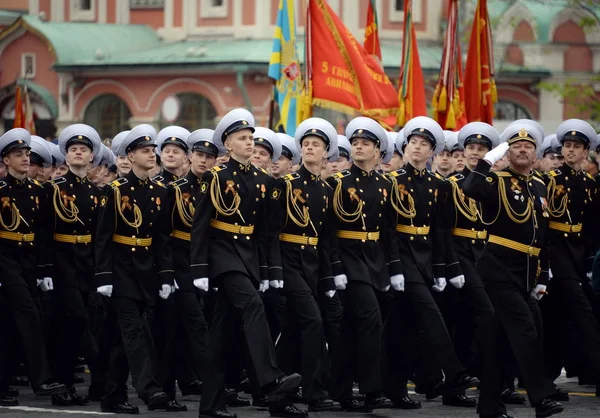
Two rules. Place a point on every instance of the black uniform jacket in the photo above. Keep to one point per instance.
(464, 214)
(300, 206)
(184, 194)
(236, 194)
(74, 203)
(418, 197)
(23, 210)
(571, 202)
(515, 206)
(361, 204)
(135, 209)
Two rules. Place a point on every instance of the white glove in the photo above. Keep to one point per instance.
(106, 290)
(340, 281)
(276, 284)
(496, 154)
(202, 284)
(330, 293)
(539, 291)
(440, 284)
(589, 275)
(176, 286)
(263, 286)
(45, 284)
(165, 291)
(385, 289)
(397, 282)
(458, 281)
(550, 275)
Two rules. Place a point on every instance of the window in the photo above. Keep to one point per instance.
(83, 9)
(506, 110)
(28, 65)
(396, 8)
(213, 9)
(108, 114)
(196, 112)
(146, 4)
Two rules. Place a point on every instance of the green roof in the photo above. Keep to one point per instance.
(90, 42)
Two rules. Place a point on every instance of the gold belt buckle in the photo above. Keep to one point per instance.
(24, 237)
(138, 242)
(244, 230)
(480, 234)
(369, 235)
(312, 241)
(530, 251)
(79, 239)
(419, 230)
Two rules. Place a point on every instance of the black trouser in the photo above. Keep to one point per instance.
(193, 330)
(332, 313)
(568, 299)
(274, 303)
(21, 305)
(236, 296)
(164, 326)
(138, 345)
(70, 326)
(112, 359)
(360, 343)
(302, 316)
(516, 318)
(433, 337)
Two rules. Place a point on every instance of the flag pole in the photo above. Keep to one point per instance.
(272, 106)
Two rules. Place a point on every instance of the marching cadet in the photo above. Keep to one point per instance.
(468, 239)
(344, 161)
(547, 159)
(513, 265)
(418, 197)
(443, 161)
(231, 215)
(264, 151)
(133, 263)
(458, 158)
(23, 242)
(360, 265)
(189, 296)
(74, 201)
(290, 156)
(40, 159)
(572, 206)
(299, 255)
(172, 148)
(123, 163)
(395, 162)
(58, 161)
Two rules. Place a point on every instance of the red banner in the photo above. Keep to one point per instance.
(19, 111)
(480, 87)
(372, 31)
(342, 75)
(448, 99)
(411, 89)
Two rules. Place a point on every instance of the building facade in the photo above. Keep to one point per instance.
(117, 63)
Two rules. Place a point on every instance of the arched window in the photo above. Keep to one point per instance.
(108, 114)
(195, 112)
(507, 110)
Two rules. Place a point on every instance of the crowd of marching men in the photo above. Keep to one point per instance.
(299, 268)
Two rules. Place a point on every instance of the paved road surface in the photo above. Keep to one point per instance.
(583, 404)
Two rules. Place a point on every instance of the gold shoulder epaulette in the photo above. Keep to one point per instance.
(160, 183)
(439, 176)
(34, 181)
(118, 182)
(264, 171)
(397, 173)
(217, 168)
(539, 179)
(503, 174)
(456, 177)
(554, 173)
(341, 174)
(589, 176)
(58, 180)
(179, 182)
(157, 178)
(291, 176)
